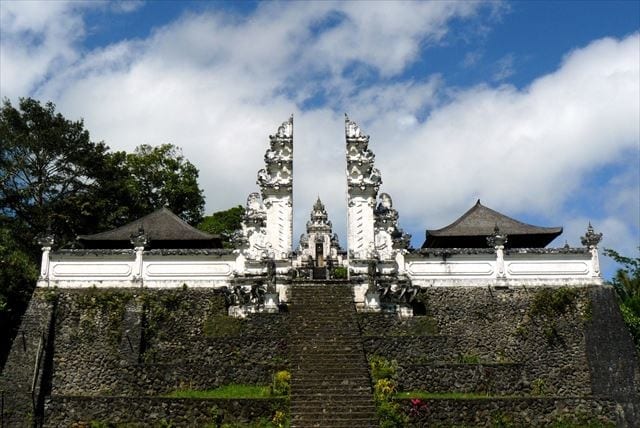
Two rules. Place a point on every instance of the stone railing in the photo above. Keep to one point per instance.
(487, 266)
(137, 268)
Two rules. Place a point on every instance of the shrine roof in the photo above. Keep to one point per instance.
(479, 222)
(163, 228)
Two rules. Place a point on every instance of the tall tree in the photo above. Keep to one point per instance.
(47, 169)
(161, 176)
(18, 274)
(53, 177)
(627, 285)
(223, 223)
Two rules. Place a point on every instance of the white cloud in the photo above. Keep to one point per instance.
(504, 68)
(34, 42)
(217, 85)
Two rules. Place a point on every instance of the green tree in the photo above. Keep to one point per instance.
(223, 223)
(18, 273)
(627, 285)
(54, 178)
(161, 176)
(47, 171)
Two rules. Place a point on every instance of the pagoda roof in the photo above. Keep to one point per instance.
(163, 229)
(479, 222)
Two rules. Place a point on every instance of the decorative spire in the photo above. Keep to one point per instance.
(361, 174)
(319, 219)
(497, 239)
(139, 239)
(278, 159)
(47, 239)
(285, 130)
(352, 130)
(591, 238)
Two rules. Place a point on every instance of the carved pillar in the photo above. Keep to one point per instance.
(591, 239)
(139, 241)
(498, 241)
(276, 186)
(363, 182)
(46, 242)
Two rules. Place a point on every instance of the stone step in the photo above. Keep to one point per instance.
(337, 410)
(352, 423)
(349, 395)
(330, 381)
(331, 378)
(332, 415)
(356, 390)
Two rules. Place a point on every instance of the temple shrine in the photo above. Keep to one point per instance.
(481, 248)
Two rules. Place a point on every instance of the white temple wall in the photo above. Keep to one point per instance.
(82, 271)
(519, 270)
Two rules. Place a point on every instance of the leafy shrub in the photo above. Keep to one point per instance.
(384, 389)
(381, 368)
(538, 387)
(340, 272)
(280, 419)
(390, 415)
(281, 383)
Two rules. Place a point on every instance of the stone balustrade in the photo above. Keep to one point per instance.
(132, 268)
(481, 267)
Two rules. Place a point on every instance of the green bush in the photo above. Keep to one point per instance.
(340, 272)
(281, 383)
(381, 368)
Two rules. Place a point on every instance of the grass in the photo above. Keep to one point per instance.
(227, 391)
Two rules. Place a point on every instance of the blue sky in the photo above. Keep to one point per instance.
(532, 106)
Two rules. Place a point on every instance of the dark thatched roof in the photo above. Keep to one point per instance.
(163, 229)
(474, 226)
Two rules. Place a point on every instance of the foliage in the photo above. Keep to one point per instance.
(553, 302)
(107, 303)
(384, 389)
(381, 368)
(391, 415)
(383, 373)
(48, 170)
(501, 420)
(468, 358)
(582, 420)
(54, 179)
(538, 387)
(280, 419)
(223, 223)
(17, 276)
(281, 383)
(161, 177)
(220, 325)
(226, 391)
(424, 326)
(340, 272)
(626, 282)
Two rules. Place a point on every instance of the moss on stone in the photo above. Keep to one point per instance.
(554, 302)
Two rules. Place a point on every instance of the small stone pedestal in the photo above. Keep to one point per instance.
(271, 302)
(372, 302)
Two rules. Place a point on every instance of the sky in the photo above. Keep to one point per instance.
(531, 106)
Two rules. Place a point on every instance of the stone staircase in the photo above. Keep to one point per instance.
(330, 383)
